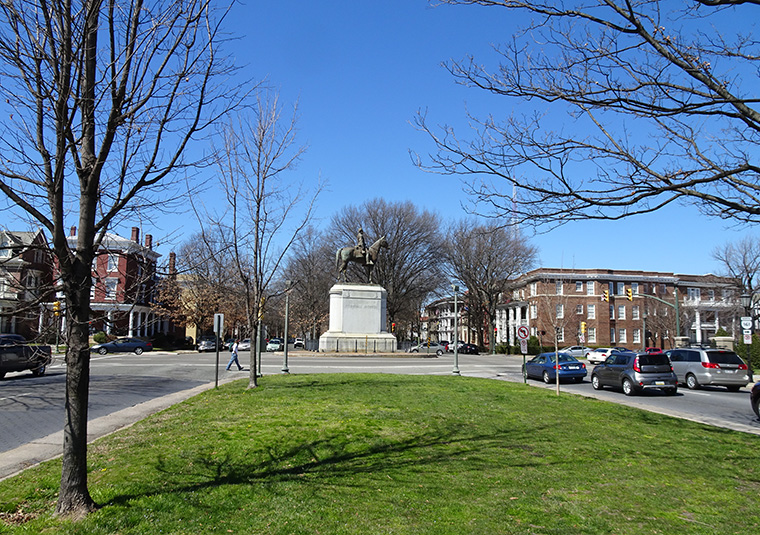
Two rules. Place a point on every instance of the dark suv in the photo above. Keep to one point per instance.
(635, 373)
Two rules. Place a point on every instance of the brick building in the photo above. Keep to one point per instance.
(617, 307)
(26, 275)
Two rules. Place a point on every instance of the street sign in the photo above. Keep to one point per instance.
(747, 338)
(218, 324)
(523, 346)
(746, 322)
(522, 332)
(582, 339)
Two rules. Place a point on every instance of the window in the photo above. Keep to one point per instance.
(621, 336)
(560, 311)
(621, 312)
(534, 331)
(635, 288)
(533, 311)
(693, 294)
(592, 335)
(620, 288)
(612, 335)
(590, 288)
(591, 312)
(93, 282)
(560, 335)
(612, 312)
(637, 336)
(579, 309)
(111, 285)
(113, 263)
(558, 286)
(5, 247)
(533, 288)
(711, 295)
(635, 314)
(578, 286)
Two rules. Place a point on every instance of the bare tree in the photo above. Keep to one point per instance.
(265, 213)
(659, 104)
(308, 269)
(410, 269)
(100, 101)
(486, 258)
(740, 262)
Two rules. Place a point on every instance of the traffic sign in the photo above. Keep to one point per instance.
(523, 346)
(747, 338)
(746, 322)
(522, 332)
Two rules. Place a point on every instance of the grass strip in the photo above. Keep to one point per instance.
(377, 454)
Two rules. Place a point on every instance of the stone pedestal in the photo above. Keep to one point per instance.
(357, 320)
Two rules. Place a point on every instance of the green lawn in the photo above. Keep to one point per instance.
(367, 454)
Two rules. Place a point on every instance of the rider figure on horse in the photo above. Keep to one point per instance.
(361, 246)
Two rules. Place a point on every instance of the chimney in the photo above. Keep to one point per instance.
(135, 234)
(73, 232)
(172, 264)
(149, 241)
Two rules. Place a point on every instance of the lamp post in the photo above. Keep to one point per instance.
(455, 371)
(746, 300)
(287, 306)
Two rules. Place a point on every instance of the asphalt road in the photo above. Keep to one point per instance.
(127, 387)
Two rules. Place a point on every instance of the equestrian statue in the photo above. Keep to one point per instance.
(360, 254)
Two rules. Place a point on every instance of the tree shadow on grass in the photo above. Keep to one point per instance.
(335, 457)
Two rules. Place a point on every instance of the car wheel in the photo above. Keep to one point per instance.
(102, 351)
(596, 383)
(671, 391)
(733, 388)
(692, 382)
(439, 352)
(138, 351)
(39, 370)
(627, 387)
(2, 374)
(755, 405)
(547, 380)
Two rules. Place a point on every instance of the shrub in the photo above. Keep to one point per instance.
(99, 337)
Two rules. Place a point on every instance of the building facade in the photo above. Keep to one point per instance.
(123, 285)
(26, 275)
(601, 307)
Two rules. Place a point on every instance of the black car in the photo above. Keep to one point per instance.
(754, 398)
(635, 373)
(469, 349)
(123, 345)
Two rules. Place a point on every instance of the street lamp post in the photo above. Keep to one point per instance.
(287, 307)
(746, 299)
(455, 371)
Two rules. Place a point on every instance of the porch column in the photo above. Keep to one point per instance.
(131, 323)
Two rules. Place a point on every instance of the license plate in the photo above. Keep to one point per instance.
(659, 383)
(573, 367)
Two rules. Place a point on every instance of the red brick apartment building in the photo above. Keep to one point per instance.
(604, 307)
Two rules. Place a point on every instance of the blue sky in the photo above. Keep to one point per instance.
(360, 71)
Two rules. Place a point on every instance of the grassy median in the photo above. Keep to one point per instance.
(367, 454)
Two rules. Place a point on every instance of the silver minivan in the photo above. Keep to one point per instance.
(699, 367)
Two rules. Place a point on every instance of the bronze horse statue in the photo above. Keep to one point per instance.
(354, 254)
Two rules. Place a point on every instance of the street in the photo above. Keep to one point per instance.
(32, 408)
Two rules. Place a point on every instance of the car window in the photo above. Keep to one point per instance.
(621, 359)
(724, 357)
(691, 356)
(653, 359)
(566, 358)
(540, 360)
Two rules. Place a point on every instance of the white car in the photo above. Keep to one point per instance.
(298, 343)
(275, 344)
(600, 354)
(244, 345)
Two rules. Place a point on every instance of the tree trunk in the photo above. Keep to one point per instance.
(74, 500)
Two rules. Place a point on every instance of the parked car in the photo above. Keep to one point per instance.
(428, 347)
(244, 345)
(299, 342)
(123, 345)
(469, 349)
(754, 398)
(544, 366)
(697, 367)
(206, 343)
(575, 351)
(275, 344)
(600, 354)
(635, 373)
(17, 355)
(653, 350)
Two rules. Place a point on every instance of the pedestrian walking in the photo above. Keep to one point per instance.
(234, 356)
